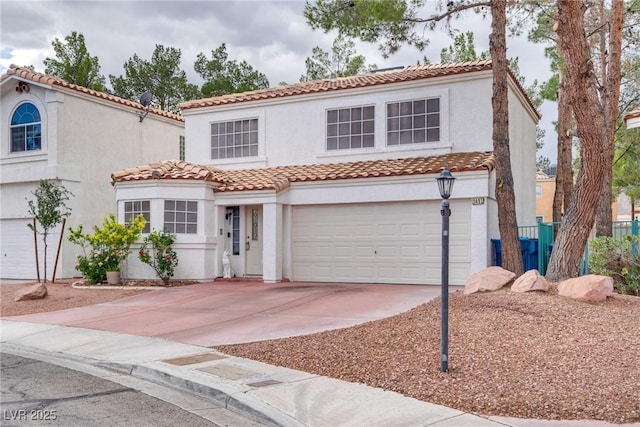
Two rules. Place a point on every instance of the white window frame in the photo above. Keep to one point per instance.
(182, 218)
(26, 127)
(137, 207)
(347, 128)
(413, 128)
(239, 139)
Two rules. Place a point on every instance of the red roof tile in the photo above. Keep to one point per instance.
(33, 76)
(279, 178)
(411, 73)
(416, 72)
(170, 169)
(632, 114)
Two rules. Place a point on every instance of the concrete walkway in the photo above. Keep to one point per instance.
(162, 337)
(271, 395)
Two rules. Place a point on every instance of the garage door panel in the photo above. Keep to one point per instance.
(382, 243)
(17, 255)
(409, 230)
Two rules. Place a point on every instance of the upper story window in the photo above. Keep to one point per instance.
(538, 190)
(181, 216)
(26, 129)
(413, 122)
(349, 128)
(233, 139)
(138, 207)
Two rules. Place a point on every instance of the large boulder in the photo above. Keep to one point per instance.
(532, 280)
(37, 291)
(591, 288)
(487, 280)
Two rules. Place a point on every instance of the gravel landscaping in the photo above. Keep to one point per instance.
(534, 355)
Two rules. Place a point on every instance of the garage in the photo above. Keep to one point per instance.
(17, 253)
(397, 242)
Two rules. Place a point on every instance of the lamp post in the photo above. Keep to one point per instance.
(445, 185)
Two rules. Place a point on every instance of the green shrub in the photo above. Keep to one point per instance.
(106, 248)
(156, 251)
(618, 258)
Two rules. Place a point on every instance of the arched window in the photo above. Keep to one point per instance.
(26, 129)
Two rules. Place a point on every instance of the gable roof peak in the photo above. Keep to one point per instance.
(27, 74)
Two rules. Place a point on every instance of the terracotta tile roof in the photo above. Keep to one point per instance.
(632, 114)
(36, 77)
(411, 73)
(416, 72)
(279, 178)
(170, 169)
(541, 175)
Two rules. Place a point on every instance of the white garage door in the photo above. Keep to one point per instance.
(17, 256)
(379, 243)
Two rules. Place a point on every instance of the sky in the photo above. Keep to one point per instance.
(272, 36)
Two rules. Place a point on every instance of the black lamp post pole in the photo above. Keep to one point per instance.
(444, 310)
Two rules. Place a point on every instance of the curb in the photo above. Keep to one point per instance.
(243, 404)
(77, 285)
(237, 402)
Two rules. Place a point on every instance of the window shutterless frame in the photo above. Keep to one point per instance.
(413, 121)
(234, 139)
(350, 128)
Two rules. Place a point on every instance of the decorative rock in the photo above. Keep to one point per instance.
(37, 291)
(489, 279)
(532, 280)
(591, 288)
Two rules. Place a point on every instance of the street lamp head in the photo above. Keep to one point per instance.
(445, 183)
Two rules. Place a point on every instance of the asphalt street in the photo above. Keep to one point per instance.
(35, 392)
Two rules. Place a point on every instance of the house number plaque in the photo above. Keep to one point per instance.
(477, 201)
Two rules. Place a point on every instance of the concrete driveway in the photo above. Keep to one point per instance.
(209, 314)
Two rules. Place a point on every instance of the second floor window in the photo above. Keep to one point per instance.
(26, 129)
(234, 139)
(138, 207)
(349, 128)
(413, 122)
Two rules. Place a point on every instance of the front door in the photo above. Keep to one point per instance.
(253, 240)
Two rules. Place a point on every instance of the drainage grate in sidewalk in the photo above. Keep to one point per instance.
(264, 383)
(191, 360)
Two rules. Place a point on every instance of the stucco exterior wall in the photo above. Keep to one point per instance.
(522, 144)
(84, 139)
(198, 254)
(293, 130)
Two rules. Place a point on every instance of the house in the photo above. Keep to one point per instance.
(545, 193)
(75, 136)
(632, 118)
(334, 180)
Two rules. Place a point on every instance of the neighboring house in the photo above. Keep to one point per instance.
(632, 118)
(75, 136)
(545, 192)
(334, 180)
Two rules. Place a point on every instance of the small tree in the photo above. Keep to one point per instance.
(49, 209)
(107, 247)
(160, 256)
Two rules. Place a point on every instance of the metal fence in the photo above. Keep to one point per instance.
(543, 237)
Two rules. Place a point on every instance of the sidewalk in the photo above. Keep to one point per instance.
(271, 395)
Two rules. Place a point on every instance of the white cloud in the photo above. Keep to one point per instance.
(272, 36)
